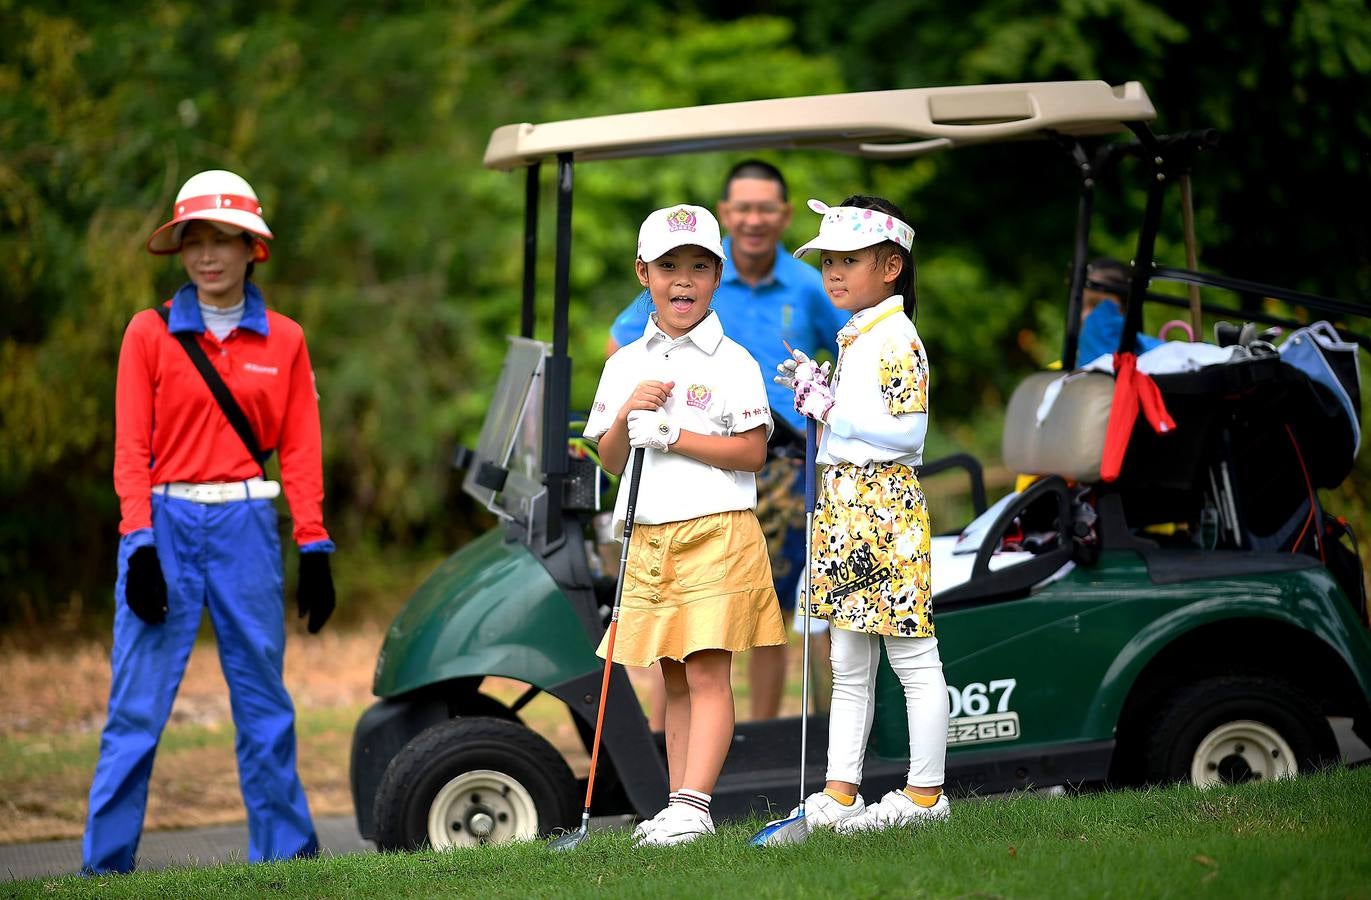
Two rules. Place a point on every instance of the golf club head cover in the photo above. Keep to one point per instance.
(314, 594)
(652, 428)
(814, 399)
(145, 590)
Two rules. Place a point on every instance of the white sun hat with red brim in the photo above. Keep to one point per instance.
(219, 197)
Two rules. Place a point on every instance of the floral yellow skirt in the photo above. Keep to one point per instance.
(701, 584)
(871, 550)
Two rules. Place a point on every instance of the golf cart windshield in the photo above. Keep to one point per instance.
(505, 475)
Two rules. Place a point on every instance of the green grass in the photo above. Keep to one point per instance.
(1301, 838)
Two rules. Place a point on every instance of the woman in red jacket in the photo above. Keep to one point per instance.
(198, 528)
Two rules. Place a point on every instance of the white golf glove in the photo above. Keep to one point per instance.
(799, 368)
(814, 398)
(652, 428)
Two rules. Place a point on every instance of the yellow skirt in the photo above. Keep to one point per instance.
(701, 584)
(872, 565)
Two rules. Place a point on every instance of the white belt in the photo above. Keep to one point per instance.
(220, 491)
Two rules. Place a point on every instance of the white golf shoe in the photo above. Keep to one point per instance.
(647, 826)
(679, 824)
(895, 809)
(822, 811)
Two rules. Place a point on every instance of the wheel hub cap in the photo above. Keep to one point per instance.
(1242, 750)
(482, 806)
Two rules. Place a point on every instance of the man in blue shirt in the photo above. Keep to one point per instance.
(766, 299)
(1103, 308)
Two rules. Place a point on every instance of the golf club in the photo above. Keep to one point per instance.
(794, 829)
(572, 839)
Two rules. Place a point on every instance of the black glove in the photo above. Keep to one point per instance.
(145, 590)
(314, 594)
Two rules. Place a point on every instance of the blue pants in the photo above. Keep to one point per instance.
(226, 557)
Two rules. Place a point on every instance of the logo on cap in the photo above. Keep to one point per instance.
(681, 220)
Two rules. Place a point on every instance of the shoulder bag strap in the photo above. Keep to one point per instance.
(232, 411)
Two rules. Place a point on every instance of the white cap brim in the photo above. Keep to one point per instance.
(840, 241)
(167, 238)
(656, 251)
(855, 228)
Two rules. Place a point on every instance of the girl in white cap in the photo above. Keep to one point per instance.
(198, 529)
(870, 572)
(698, 584)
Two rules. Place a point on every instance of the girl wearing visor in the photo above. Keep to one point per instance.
(198, 528)
(870, 572)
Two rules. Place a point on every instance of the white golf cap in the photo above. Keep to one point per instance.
(215, 196)
(678, 226)
(854, 228)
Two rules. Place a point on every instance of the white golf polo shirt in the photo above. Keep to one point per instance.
(718, 391)
(880, 391)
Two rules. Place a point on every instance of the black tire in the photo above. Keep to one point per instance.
(478, 780)
(1238, 728)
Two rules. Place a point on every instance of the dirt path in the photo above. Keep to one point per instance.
(65, 689)
(52, 708)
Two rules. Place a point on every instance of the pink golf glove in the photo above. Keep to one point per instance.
(652, 428)
(799, 368)
(813, 398)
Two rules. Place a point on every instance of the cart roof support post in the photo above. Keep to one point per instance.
(557, 370)
(526, 311)
(1084, 211)
(1147, 235)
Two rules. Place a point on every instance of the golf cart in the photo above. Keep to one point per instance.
(1169, 623)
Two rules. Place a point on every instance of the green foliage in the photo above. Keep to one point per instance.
(400, 255)
(363, 128)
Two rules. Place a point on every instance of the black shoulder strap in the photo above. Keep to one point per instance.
(232, 411)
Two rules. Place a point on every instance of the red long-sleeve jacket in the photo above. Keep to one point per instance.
(168, 426)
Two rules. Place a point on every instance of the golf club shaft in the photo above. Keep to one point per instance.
(635, 475)
(811, 449)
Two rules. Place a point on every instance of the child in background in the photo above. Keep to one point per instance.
(698, 584)
(870, 573)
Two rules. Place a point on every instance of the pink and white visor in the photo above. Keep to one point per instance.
(854, 228)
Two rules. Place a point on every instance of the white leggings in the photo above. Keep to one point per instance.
(915, 660)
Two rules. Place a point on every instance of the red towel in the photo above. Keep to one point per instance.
(1132, 390)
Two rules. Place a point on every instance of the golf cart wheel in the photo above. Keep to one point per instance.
(1232, 729)
(470, 781)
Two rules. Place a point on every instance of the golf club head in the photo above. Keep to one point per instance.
(790, 830)
(569, 841)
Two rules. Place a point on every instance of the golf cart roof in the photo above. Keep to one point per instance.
(875, 124)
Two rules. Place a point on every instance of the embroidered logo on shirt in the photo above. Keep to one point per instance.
(681, 220)
(698, 396)
(261, 370)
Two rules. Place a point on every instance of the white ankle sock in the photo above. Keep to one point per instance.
(694, 799)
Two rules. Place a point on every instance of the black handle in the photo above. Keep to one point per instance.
(635, 476)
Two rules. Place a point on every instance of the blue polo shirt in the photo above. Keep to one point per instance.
(790, 306)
